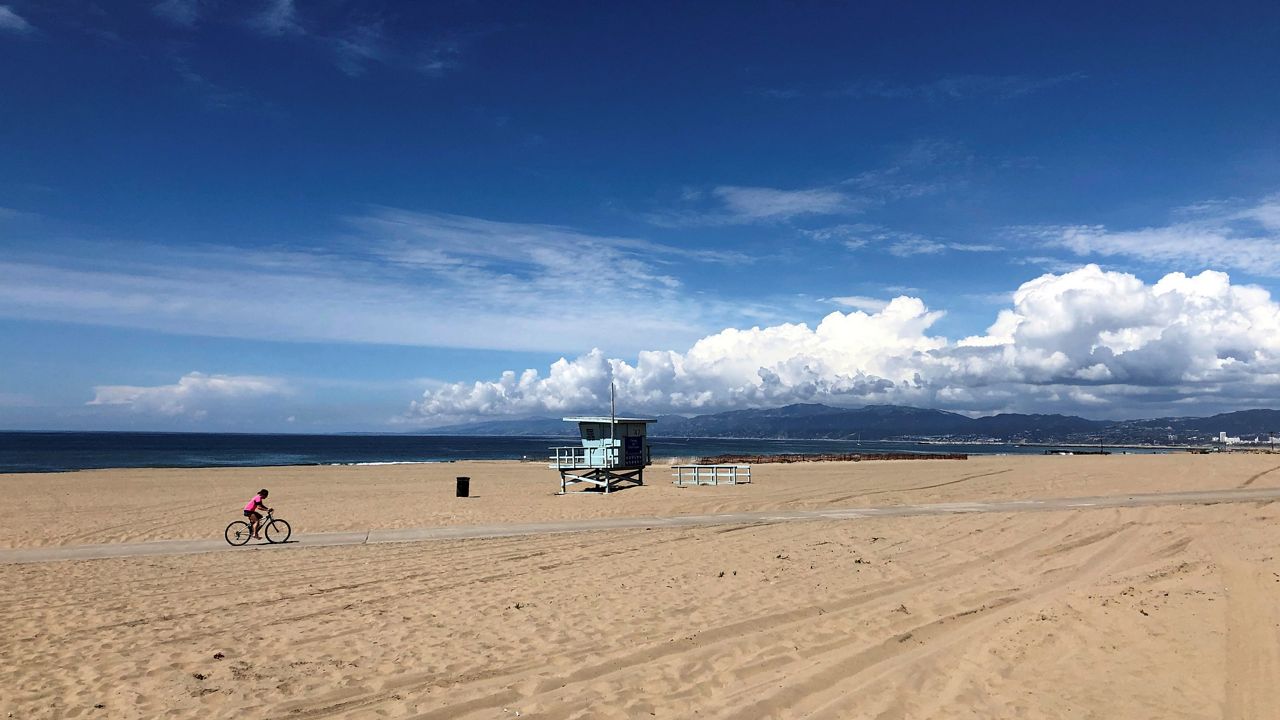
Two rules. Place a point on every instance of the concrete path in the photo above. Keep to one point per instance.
(465, 532)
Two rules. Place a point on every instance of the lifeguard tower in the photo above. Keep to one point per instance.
(614, 450)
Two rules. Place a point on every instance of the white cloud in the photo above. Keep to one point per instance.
(398, 277)
(194, 395)
(179, 12)
(13, 22)
(1216, 235)
(858, 236)
(749, 204)
(359, 46)
(861, 302)
(957, 87)
(907, 245)
(739, 205)
(1086, 341)
(439, 58)
(278, 17)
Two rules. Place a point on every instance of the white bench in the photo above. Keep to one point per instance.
(711, 474)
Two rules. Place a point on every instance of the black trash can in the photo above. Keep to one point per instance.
(464, 487)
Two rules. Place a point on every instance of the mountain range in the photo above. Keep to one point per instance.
(898, 422)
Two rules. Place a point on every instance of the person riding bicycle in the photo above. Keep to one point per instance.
(251, 511)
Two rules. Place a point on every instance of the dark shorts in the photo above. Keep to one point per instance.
(251, 513)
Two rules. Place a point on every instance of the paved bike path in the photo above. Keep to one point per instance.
(466, 532)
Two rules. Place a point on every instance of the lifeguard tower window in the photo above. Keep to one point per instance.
(614, 450)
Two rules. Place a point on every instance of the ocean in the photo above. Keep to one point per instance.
(66, 451)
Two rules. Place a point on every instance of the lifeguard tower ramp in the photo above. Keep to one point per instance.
(613, 454)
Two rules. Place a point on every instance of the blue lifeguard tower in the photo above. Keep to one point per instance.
(614, 451)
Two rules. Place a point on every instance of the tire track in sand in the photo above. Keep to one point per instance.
(1253, 642)
(828, 686)
(353, 699)
(1255, 478)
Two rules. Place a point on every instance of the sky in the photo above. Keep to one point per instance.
(329, 215)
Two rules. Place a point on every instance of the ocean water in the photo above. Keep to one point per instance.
(65, 451)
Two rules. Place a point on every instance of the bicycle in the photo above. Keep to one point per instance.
(239, 532)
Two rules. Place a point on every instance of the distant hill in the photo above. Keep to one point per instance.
(900, 422)
(1036, 428)
(535, 426)
(1242, 423)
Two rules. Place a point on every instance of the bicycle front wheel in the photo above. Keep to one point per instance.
(237, 533)
(278, 531)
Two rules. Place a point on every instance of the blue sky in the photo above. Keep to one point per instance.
(327, 215)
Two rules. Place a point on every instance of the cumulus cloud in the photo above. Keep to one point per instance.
(1214, 235)
(194, 395)
(1085, 341)
(11, 21)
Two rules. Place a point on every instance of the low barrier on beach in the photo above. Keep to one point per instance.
(699, 474)
(825, 457)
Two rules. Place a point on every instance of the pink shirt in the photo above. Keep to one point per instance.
(254, 503)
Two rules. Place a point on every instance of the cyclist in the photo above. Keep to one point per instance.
(251, 511)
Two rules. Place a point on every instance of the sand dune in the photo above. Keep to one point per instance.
(1164, 612)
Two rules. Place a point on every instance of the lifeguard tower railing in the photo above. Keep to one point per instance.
(605, 455)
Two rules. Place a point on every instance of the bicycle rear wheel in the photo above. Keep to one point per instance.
(278, 531)
(238, 533)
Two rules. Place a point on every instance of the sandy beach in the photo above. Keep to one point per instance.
(1158, 612)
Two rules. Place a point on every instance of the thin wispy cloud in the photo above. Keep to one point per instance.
(184, 13)
(277, 18)
(395, 277)
(861, 302)
(955, 87)
(740, 205)
(908, 244)
(775, 93)
(358, 47)
(12, 22)
(439, 58)
(947, 88)
(1214, 235)
(363, 44)
(212, 95)
(867, 236)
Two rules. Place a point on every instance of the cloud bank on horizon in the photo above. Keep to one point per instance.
(194, 395)
(1089, 340)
